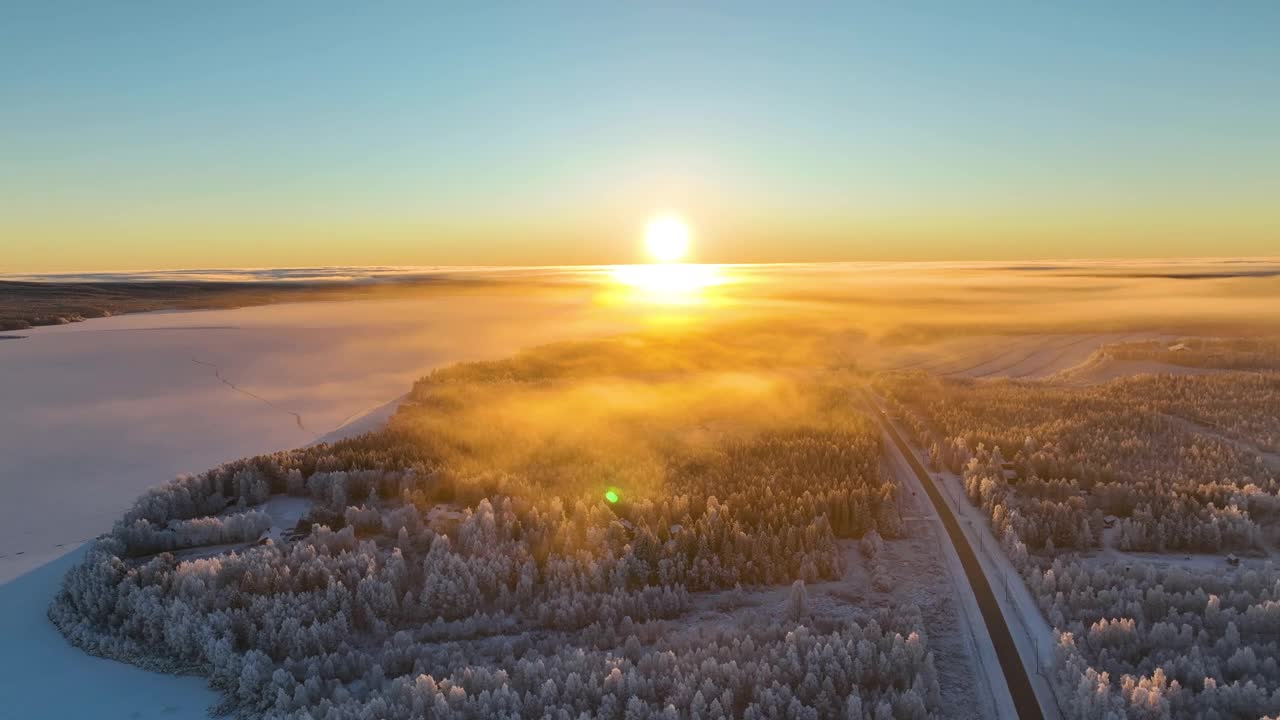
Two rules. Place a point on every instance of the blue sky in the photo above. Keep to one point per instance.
(173, 134)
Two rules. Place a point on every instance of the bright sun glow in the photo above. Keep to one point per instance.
(670, 282)
(667, 238)
(667, 280)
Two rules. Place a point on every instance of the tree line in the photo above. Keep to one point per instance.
(465, 561)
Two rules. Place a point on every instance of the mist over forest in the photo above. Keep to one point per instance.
(640, 361)
(701, 514)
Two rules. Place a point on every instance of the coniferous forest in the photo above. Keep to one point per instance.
(531, 537)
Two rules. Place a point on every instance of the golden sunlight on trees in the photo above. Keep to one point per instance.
(464, 561)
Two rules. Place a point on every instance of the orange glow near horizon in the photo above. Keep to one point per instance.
(668, 280)
(665, 281)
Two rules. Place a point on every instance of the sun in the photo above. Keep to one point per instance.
(668, 278)
(666, 237)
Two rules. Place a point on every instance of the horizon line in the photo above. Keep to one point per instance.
(38, 276)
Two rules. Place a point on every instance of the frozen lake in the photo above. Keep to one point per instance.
(95, 412)
(98, 411)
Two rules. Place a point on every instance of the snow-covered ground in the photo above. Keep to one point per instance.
(921, 518)
(966, 633)
(42, 676)
(918, 575)
(95, 412)
(1096, 371)
(1028, 357)
(285, 512)
(364, 422)
(1031, 632)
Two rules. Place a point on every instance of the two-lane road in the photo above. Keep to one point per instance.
(1015, 671)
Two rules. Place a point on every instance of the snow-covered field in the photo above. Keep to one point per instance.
(98, 411)
(95, 412)
(1027, 357)
(1096, 371)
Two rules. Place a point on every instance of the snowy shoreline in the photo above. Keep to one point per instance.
(97, 412)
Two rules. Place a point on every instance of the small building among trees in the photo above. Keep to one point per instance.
(1009, 472)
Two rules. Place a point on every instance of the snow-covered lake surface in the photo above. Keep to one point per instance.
(42, 676)
(95, 412)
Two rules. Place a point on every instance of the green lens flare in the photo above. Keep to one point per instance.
(611, 496)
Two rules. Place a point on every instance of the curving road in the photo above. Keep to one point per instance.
(1015, 672)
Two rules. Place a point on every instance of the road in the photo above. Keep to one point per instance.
(1011, 664)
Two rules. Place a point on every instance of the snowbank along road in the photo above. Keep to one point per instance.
(1024, 696)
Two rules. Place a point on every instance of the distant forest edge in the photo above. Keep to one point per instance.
(900, 304)
(695, 521)
(28, 304)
